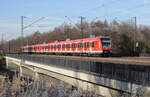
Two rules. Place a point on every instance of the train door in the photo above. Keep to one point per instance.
(63, 47)
(67, 47)
(76, 47)
(39, 49)
(73, 47)
(85, 48)
(30, 49)
(90, 48)
(93, 45)
(55, 48)
(49, 48)
(58, 47)
(79, 47)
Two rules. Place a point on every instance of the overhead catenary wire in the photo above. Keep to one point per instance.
(90, 10)
(116, 12)
(131, 9)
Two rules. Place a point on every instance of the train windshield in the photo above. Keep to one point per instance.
(106, 43)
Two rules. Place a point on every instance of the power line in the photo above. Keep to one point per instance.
(33, 23)
(114, 1)
(70, 20)
(132, 8)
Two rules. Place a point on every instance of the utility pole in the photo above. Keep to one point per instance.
(81, 17)
(22, 34)
(2, 41)
(70, 25)
(22, 19)
(135, 31)
(25, 27)
(8, 46)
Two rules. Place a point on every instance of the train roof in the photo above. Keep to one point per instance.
(68, 41)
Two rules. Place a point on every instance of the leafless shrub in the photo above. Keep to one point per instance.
(38, 88)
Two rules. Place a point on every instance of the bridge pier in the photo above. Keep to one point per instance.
(36, 75)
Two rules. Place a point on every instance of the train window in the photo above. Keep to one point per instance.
(92, 44)
(74, 45)
(67, 45)
(63, 46)
(78, 45)
(82, 45)
(45, 47)
(87, 44)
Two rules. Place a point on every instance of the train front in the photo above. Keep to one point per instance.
(106, 45)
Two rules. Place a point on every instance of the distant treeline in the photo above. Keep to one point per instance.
(126, 38)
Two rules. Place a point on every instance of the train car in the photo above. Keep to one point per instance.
(89, 46)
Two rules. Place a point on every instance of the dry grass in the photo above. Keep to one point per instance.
(29, 88)
(20, 87)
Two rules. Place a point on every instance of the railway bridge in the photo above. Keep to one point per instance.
(103, 75)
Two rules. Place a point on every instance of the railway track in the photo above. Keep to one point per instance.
(122, 60)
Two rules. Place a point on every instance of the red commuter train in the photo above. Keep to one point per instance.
(90, 46)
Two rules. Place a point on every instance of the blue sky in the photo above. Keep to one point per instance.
(55, 11)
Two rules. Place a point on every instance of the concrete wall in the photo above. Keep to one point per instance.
(104, 86)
